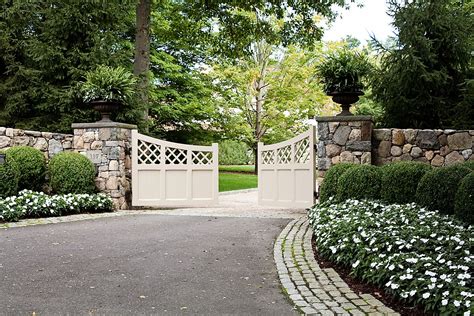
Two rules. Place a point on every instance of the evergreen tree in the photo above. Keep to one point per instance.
(422, 77)
(46, 46)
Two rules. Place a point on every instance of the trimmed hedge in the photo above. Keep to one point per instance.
(469, 164)
(71, 172)
(329, 186)
(400, 180)
(9, 176)
(359, 182)
(464, 200)
(32, 165)
(438, 187)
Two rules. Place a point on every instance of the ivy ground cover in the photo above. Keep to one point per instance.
(420, 256)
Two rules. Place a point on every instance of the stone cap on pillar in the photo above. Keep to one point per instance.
(103, 125)
(351, 118)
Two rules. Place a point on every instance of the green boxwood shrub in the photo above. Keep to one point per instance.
(32, 165)
(359, 182)
(464, 200)
(469, 164)
(400, 180)
(437, 189)
(329, 186)
(71, 172)
(9, 176)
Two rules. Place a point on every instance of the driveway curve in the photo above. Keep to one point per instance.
(143, 264)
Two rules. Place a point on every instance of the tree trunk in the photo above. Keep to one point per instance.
(261, 52)
(141, 65)
(255, 157)
(258, 110)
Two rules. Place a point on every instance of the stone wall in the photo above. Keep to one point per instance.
(436, 147)
(108, 146)
(352, 139)
(49, 143)
(343, 139)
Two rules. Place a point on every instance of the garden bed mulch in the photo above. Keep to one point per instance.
(358, 286)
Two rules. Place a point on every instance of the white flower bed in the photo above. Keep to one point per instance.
(415, 254)
(37, 204)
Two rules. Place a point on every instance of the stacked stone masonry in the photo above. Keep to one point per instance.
(109, 148)
(436, 147)
(107, 145)
(352, 139)
(49, 143)
(343, 139)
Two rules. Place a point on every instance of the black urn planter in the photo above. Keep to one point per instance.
(105, 108)
(345, 99)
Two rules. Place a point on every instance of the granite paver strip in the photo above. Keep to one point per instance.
(313, 290)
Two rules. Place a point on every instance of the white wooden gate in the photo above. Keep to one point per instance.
(286, 172)
(172, 174)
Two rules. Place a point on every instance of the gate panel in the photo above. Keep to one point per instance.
(171, 174)
(286, 172)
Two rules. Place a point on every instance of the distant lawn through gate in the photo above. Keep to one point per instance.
(236, 178)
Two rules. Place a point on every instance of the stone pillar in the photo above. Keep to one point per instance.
(343, 139)
(108, 146)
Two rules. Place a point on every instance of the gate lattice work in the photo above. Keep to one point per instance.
(286, 172)
(171, 174)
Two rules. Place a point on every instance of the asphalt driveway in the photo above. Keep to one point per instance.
(143, 264)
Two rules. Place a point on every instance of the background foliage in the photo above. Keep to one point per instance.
(232, 152)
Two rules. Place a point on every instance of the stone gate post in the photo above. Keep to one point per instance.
(108, 146)
(343, 139)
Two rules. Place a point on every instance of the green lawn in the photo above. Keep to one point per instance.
(242, 168)
(236, 181)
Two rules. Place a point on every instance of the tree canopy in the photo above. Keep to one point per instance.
(422, 77)
(47, 46)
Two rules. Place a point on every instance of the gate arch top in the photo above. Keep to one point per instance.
(171, 174)
(286, 171)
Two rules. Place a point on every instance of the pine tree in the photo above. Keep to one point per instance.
(422, 76)
(46, 47)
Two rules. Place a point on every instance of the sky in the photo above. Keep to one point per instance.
(361, 22)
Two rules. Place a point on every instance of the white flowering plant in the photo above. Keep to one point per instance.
(29, 204)
(420, 256)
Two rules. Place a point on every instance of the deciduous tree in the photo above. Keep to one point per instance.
(270, 95)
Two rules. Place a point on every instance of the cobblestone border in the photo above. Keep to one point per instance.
(313, 290)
